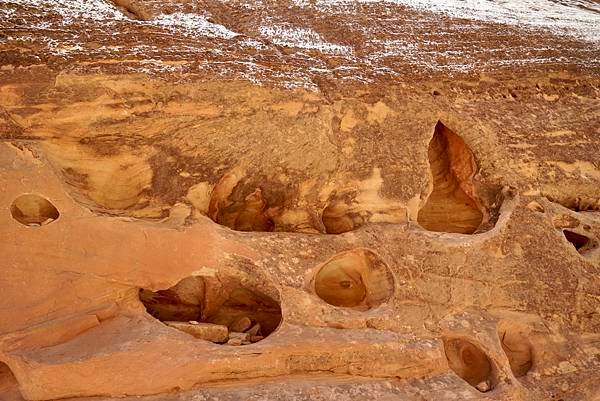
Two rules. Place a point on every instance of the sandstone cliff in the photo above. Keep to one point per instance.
(311, 200)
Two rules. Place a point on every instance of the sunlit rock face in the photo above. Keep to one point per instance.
(288, 200)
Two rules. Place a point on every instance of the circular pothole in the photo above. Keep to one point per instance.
(355, 279)
(469, 362)
(222, 310)
(33, 210)
(517, 348)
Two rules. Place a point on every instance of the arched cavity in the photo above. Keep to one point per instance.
(219, 309)
(240, 205)
(33, 210)
(355, 279)
(245, 214)
(582, 243)
(470, 363)
(9, 388)
(517, 348)
(337, 218)
(452, 205)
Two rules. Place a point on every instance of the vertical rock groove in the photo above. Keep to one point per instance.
(451, 206)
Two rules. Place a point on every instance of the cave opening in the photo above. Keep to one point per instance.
(240, 206)
(355, 279)
(451, 206)
(517, 348)
(470, 363)
(337, 218)
(33, 210)
(222, 310)
(577, 240)
(580, 242)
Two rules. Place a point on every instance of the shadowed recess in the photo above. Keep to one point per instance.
(247, 214)
(469, 362)
(451, 206)
(338, 218)
(9, 388)
(221, 309)
(517, 348)
(33, 210)
(357, 279)
(239, 206)
(582, 243)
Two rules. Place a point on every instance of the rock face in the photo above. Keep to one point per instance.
(300, 200)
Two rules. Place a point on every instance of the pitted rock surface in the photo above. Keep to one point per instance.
(299, 200)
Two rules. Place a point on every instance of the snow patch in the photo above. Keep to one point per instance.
(579, 18)
(304, 38)
(193, 24)
(73, 11)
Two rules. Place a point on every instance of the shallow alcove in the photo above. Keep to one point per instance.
(582, 243)
(469, 362)
(243, 214)
(355, 279)
(9, 388)
(240, 204)
(451, 206)
(338, 219)
(217, 309)
(517, 348)
(33, 210)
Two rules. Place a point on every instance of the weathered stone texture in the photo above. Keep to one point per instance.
(348, 215)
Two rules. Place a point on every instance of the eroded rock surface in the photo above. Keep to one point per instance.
(328, 200)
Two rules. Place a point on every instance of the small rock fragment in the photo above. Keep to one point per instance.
(484, 386)
(565, 221)
(254, 330)
(234, 341)
(255, 339)
(565, 367)
(535, 206)
(215, 333)
(240, 336)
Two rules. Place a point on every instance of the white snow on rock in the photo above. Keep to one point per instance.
(304, 38)
(380, 47)
(99, 10)
(568, 17)
(193, 24)
(579, 18)
(72, 10)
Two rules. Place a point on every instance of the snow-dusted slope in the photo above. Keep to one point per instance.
(580, 18)
(299, 42)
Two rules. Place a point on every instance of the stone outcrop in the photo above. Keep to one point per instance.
(299, 200)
